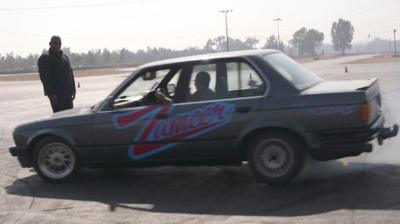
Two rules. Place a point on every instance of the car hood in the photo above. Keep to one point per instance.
(339, 86)
(65, 118)
(71, 112)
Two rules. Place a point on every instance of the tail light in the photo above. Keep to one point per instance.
(365, 112)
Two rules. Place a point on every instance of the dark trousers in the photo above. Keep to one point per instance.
(63, 103)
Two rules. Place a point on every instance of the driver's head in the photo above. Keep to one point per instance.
(202, 80)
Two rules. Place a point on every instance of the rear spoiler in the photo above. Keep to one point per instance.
(372, 82)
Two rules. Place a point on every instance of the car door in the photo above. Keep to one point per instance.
(207, 129)
(118, 131)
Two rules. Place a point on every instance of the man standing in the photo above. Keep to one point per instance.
(57, 76)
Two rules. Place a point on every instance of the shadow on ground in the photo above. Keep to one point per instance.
(322, 187)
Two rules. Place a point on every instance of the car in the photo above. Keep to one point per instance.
(258, 107)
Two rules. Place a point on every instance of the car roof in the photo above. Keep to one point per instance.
(205, 57)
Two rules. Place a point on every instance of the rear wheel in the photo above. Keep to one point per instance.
(55, 160)
(275, 158)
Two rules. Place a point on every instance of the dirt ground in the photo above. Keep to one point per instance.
(77, 74)
(381, 58)
(362, 189)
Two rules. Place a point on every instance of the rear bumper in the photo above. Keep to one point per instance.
(335, 144)
(22, 154)
(351, 135)
(385, 133)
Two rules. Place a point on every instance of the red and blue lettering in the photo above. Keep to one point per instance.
(169, 132)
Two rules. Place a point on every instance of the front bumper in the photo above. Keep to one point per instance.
(18, 151)
(22, 154)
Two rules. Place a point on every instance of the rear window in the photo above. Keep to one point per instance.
(292, 71)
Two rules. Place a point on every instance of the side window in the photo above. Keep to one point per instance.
(202, 83)
(243, 81)
(232, 74)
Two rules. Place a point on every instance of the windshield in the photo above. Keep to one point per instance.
(295, 73)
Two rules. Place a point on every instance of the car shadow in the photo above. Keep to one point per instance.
(322, 187)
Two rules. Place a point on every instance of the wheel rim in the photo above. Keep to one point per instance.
(56, 160)
(274, 157)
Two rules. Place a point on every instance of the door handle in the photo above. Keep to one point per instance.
(243, 109)
(162, 116)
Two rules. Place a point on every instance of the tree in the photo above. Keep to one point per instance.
(90, 59)
(106, 57)
(123, 55)
(251, 42)
(313, 40)
(219, 43)
(10, 61)
(210, 46)
(307, 41)
(103, 58)
(237, 45)
(67, 51)
(342, 35)
(76, 60)
(272, 43)
(234, 44)
(298, 40)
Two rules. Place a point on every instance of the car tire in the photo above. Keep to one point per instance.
(55, 160)
(276, 157)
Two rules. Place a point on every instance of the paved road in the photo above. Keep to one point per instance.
(363, 189)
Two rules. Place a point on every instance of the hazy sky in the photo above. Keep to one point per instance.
(26, 25)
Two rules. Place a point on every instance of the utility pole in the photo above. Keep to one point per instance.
(277, 20)
(226, 26)
(395, 44)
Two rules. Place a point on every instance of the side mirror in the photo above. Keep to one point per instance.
(171, 88)
(252, 83)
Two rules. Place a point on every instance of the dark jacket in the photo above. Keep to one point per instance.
(205, 94)
(56, 75)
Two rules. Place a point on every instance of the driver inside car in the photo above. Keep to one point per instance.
(203, 92)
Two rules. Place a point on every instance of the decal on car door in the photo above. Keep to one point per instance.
(167, 133)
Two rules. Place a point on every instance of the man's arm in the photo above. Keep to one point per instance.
(162, 97)
(72, 77)
(45, 76)
(73, 82)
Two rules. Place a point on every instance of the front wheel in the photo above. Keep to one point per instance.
(275, 158)
(55, 160)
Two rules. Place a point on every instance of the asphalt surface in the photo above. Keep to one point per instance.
(362, 189)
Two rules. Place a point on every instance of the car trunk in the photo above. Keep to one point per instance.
(362, 97)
